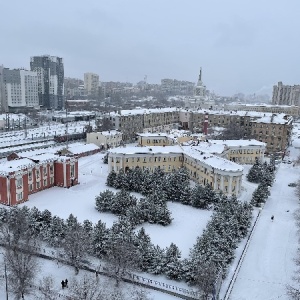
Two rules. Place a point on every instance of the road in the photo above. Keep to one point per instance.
(268, 265)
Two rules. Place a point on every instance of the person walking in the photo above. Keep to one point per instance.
(272, 218)
(66, 283)
(62, 284)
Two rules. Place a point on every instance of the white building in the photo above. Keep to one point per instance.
(20, 88)
(105, 139)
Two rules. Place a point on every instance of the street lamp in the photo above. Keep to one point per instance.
(5, 274)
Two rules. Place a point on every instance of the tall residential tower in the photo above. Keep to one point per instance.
(50, 70)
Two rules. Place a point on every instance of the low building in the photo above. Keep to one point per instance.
(221, 174)
(174, 137)
(105, 139)
(239, 151)
(22, 177)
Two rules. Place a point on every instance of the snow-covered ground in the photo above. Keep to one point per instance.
(268, 265)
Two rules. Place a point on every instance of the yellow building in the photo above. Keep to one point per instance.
(221, 174)
(239, 151)
(174, 137)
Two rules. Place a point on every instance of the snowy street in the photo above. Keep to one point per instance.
(268, 265)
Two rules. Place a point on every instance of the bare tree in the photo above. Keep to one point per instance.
(297, 192)
(46, 289)
(88, 288)
(22, 267)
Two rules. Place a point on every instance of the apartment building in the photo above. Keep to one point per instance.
(203, 168)
(105, 139)
(286, 94)
(21, 177)
(19, 89)
(291, 110)
(91, 84)
(273, 129)
(50, 70)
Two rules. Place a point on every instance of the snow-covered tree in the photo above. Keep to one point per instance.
(172, 264)
(110, 180)
(122, 201)
(104, 201)
(255, 172)
(99, 239)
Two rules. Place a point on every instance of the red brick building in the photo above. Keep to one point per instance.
(22, 177)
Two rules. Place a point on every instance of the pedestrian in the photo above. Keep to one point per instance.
(272, 218)
(66, 283)
(62, 284)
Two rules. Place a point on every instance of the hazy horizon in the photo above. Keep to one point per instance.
(242, 46)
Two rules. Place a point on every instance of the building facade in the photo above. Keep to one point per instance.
(105, 139)
(22, 177)
(291, 110)
(91, 84)
(203, 168)
(19, 89)
(50, 70)
(286, 94)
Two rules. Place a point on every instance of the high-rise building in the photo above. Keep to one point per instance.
(18, 89)
(286, 94)
(3, 103)
(50, 70)
(91, 83)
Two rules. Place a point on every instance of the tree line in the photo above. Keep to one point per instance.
(174, 186)
(264, 175)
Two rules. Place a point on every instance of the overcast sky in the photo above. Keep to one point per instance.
(242, 45)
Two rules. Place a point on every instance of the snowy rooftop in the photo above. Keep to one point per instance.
(144, 111)
(237, 143)
(15, 165)
(111, 132)
(147, 150)
(206, 158)
(77, 148)
(212, 160)
(264, 116)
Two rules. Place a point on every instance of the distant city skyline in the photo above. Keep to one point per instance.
(242, 46)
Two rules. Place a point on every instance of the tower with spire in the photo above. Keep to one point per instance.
(200, 88)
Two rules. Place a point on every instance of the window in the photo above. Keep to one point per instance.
(45, 182)
(30, 187)
(45, 171)
(37, 174)
(51, 180)
(19, 182)
(19, 196)
(38, 185)
(30, 175)
(51, 169)
(72, 170)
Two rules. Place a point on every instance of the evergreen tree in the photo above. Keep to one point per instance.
(122, 201)
(111, 178)
(99, 239)
(157, 261)
(145, 250)
(104, 201)
(172, 264)
(255, 172)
